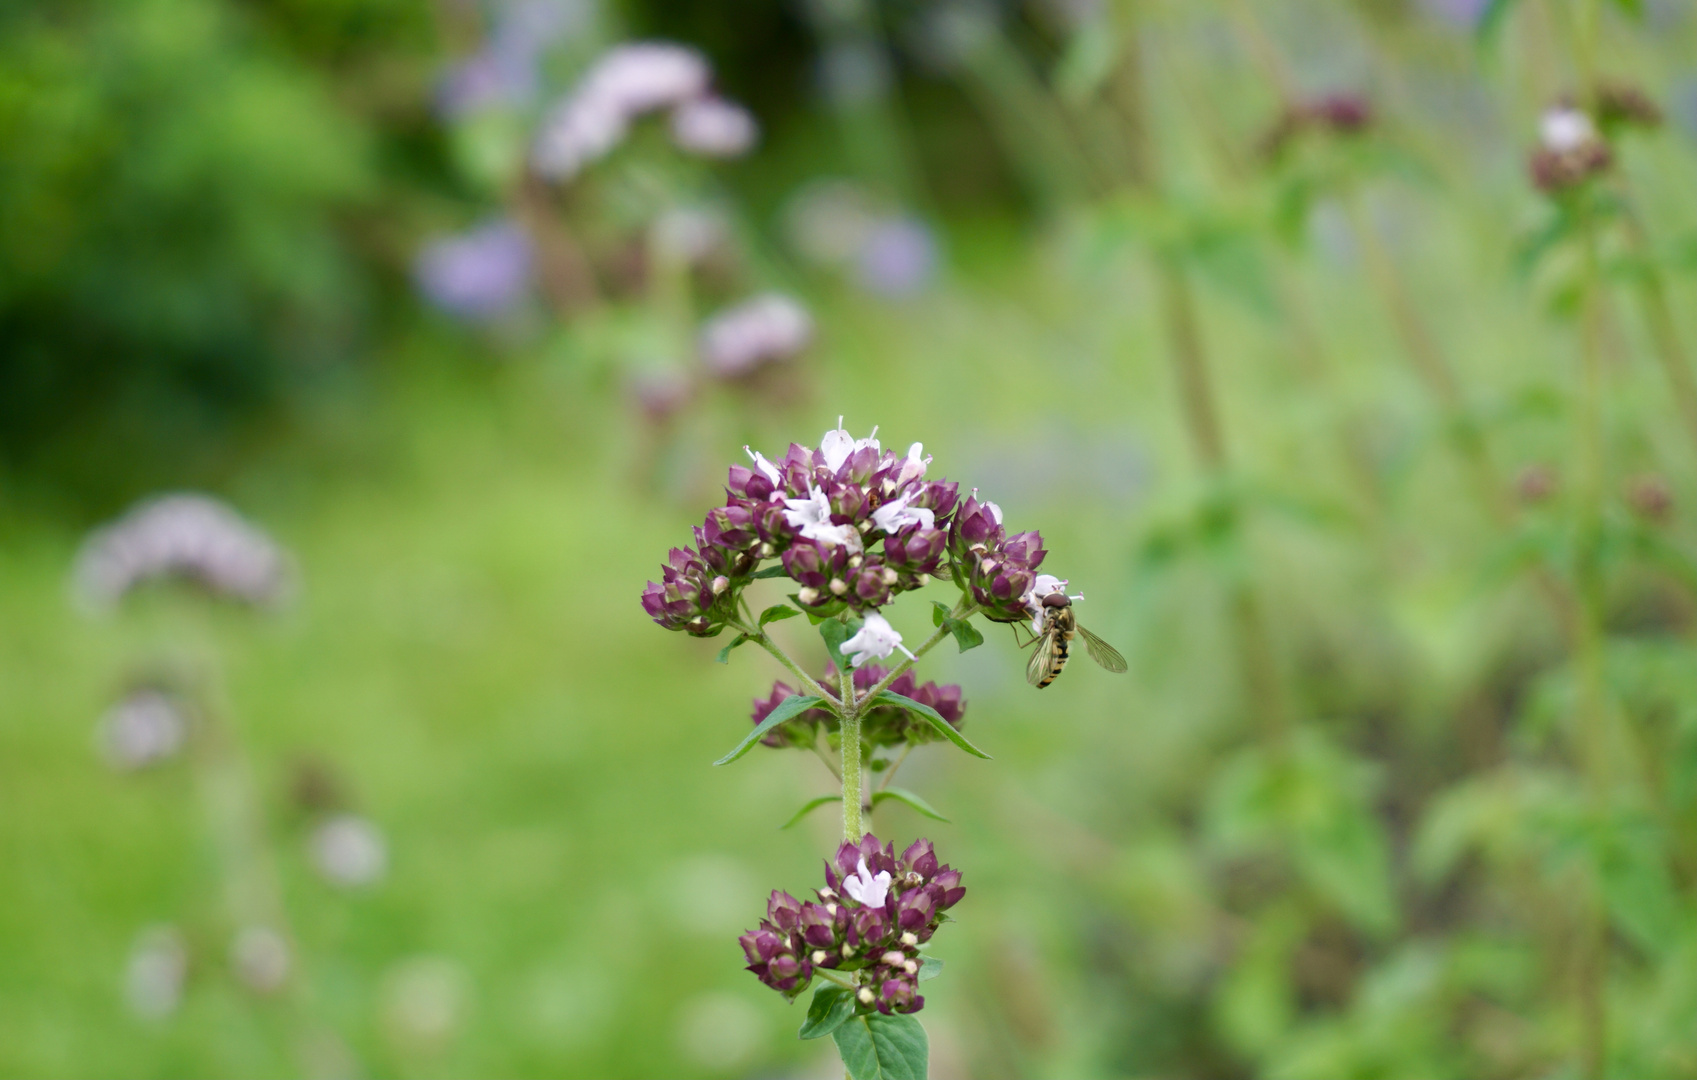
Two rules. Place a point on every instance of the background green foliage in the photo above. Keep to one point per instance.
(1381, 852)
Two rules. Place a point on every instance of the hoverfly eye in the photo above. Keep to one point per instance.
(1056, 599)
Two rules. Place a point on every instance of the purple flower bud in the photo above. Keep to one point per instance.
(749, 483)
(682, 599)
(920, 858)
(1026, 549)
(977, 523)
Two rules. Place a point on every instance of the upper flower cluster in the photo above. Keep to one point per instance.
(852, 523)
(882, 725)
(875, 911)
(1570, 150)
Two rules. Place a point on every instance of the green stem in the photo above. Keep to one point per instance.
(1594, 742)
(851, 775)
(964, 610)
(808, 682)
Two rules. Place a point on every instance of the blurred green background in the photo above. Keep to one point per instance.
(1403, 781)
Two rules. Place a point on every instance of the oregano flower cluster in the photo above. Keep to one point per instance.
(853, 526)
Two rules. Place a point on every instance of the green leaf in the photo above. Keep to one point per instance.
(835, 632)
(966, 635)
(725, 653)
(879, 1047)
(831, 1006)
(944, 728)
(775, 570)
(807, 808)
(787, 709)
(777, 613)
(930, 968)
(901, 795)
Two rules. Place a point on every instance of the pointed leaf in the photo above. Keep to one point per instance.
(725, 653)
(944, 728)
(930, 968)
(775, 570)
(807, 808)
(787, 709)
(940, 613)
(902, 795)
(879, 1047)
(777, 613)
(966, 634)
(830, 1007)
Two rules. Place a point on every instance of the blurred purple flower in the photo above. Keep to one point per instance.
(143, 729)
(714, 127)
(477, 275)
(504, 72)
(189, 536)
(628, 81)
(767, 329)
(897, 258)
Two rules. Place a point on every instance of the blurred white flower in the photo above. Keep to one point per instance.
(191, 536)
(261, 959)
(714, 127)
(1565, 128)
(143, 729)
(156, 971)
(423, 1002)
(348, 850)
(767, 329)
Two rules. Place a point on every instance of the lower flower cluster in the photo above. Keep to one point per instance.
(884, 725)
(875, 911)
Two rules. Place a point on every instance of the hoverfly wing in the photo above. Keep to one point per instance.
(1103, 653)
(1038, 666)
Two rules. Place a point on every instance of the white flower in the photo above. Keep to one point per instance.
(809, 515)
(1565, 128)
(864, 887)
(765, 467)
(348, 850)
(838, 445)
(143, 729)
(875, 640)
(914, 467)
(995, 511)
(714, 127)
(896, 515)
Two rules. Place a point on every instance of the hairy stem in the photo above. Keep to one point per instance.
(851, 775)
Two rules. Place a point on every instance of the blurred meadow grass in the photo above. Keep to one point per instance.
(1148, 893)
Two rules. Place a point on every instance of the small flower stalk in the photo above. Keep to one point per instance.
(848, 527)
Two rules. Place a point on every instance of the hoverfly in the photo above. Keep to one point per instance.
(1059, 627)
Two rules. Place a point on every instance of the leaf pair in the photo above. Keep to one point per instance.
(901, 795)
(873, 1046)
